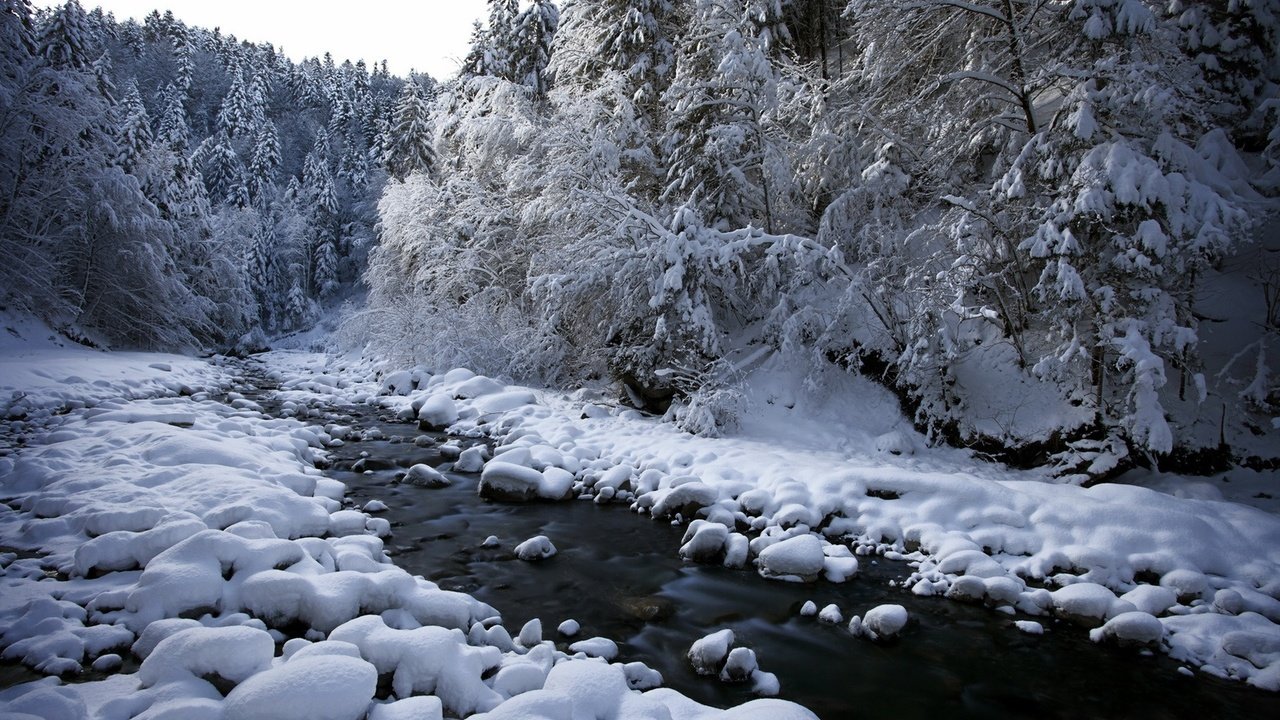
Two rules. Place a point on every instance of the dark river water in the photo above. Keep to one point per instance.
(618, 574)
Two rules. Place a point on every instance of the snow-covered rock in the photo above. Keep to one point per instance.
(796, 559)
(537, 547)
(438, 412)
(426, 476)
(1134, 627)
(707, 655)
(880, 622)
(332, 687)
(739, 665)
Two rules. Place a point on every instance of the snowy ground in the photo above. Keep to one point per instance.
(148, 517)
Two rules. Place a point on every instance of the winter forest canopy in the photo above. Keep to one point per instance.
(983, 204)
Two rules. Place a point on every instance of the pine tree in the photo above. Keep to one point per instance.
(408, 145)
(263, 161)
(535, 33)
(66, 40)
(502, 40)
(173, 130)
(134, 137)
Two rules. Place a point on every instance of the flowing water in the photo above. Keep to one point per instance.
(618, 574)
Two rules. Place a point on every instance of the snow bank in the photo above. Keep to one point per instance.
(845, 470)
(199, 535)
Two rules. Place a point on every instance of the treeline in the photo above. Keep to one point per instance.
(165, 186)
(967, 197)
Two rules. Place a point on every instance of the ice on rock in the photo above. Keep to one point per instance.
(809, 609)
(538, 547)
(438, 412)
(419, 707)
(739, 665)
(1133, 627)
(569, 628)
(704, 541)
(375, 506)
(426, 476)
(596, 647)
(796, 559)
(471, 460)
(490, 542)
(708, 653)
(880, 622)
(329, 687)
(831, 614)
(232, 653)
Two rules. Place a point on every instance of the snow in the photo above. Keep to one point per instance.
(880, 622)
(708, 653)
(535, 548)
(569, 628)
(329, 687)
(156, 524)
(796, 559)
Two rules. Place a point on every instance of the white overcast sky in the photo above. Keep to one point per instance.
(427, 35)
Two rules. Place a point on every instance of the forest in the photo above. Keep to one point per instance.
(984, 205)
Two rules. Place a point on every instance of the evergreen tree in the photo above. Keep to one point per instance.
(535, 33)
(66, 40)
(408, 145)
(134, 138)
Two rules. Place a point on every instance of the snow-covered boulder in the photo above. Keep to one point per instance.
(478, 386)
(796, 559)
(471, 460)
(704, 542)
(684, 499)
(707, 655)
(538, 547)
(596, 647)
(328, 687)
(426, 476)
(508, 482)
(1088, 602)
(739, 665)
(881, 622)
(438, 412)
(1130, 628)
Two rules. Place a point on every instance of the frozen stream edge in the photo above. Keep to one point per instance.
(199, 535)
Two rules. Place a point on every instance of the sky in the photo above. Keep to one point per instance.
(425, 35)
